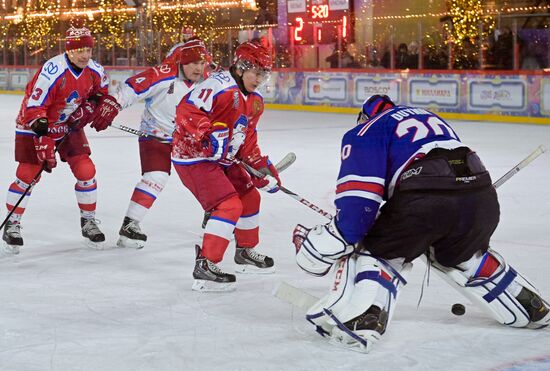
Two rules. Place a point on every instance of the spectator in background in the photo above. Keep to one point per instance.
(402, 57)
(504, 53)
(412, 60)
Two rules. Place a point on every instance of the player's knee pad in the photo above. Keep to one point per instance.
(505, 295)
(360, 305)
(251, 201)
(26, 172)
(230, 209)
(82, 167)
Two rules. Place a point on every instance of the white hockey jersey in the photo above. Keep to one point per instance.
(162, 87)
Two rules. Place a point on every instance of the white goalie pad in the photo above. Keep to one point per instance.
(363, 284)
(498, 295)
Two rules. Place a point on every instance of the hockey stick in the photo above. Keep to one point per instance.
(31, 184)
(280, 166)
(302, 299)
(526, 161)
(295, 196)
(139, 133)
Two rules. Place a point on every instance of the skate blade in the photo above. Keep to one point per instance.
(9, 250)
(126, 242)
(252, 269)
(95, 245)
(211, 286)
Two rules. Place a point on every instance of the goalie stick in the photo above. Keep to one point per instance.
(302, 299)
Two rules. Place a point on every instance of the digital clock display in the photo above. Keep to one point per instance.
(319, 21)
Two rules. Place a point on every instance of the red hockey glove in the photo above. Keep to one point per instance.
(45, 152)
(82, 116)
(105, 112)
(266, 184)
(265, 166)
(216, 142)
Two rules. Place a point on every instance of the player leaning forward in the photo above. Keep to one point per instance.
(68, 92)
(440, 204)
(215, 124)
(162, 87)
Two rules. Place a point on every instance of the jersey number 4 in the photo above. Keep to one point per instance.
(422, 129)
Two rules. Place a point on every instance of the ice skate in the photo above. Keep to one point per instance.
(12, 238)
(536, 307)
(131, 235)
(209, 277)
(94, 238)
(249, 261)
(361, 332)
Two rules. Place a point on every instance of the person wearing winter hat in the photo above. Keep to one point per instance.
(66, 93)
(163, 86)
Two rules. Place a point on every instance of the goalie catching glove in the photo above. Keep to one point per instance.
(317, 249)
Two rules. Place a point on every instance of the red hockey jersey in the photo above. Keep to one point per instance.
(217, 99)
(56, 91)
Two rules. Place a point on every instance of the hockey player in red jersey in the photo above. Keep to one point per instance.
(162, 87)
(68, 92)
(216, 125)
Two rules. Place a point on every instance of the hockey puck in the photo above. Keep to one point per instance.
(458, 309)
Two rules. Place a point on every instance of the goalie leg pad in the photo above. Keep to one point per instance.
(357, 313)
(340, 292)
(505, 295)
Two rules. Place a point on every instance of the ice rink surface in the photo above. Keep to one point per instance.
(66, 307)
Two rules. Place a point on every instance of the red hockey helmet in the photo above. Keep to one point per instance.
(250, 54)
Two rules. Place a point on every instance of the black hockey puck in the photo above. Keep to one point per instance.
(458, 309)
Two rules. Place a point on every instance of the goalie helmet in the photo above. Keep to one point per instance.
(252, 55)
(373, 106)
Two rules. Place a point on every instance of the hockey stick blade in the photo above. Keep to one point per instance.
(281, 165)
(526, 161)
(295, 296)
(286, 162)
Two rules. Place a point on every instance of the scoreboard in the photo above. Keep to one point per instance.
(319, 21)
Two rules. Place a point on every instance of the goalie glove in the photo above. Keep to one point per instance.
(317, 249)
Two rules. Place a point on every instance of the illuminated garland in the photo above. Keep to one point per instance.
(468, 25)
(112, 23)
(39, 32)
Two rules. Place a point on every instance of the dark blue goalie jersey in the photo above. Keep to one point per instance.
(374, 155)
